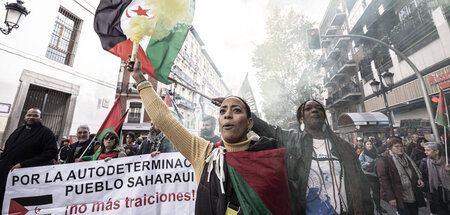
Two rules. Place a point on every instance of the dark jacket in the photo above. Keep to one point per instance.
(209, 198)
(35, 147)
(74, 153)
(165, 146)
(417, 154)
(299, 149)
(390, 182)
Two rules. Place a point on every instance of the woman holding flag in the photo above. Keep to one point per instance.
(236, 175)
(109, 148)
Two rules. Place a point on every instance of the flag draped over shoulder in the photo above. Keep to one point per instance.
(260, 181)
(112, 19)
(442, 113)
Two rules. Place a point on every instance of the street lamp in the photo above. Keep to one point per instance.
(378, 88)
(15, 12)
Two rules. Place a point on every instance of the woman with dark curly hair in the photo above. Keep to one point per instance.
(324, 173)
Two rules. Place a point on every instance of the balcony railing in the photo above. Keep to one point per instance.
(415, 26)
(349, 89)
(183, 102)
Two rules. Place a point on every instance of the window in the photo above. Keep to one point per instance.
(62, 45)
(134, 116)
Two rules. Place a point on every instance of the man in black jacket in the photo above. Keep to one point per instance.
(29, 145)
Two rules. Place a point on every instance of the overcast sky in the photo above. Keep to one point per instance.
(231, 29)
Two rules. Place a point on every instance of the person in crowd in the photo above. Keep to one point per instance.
(400, 179)
(216, 193)
(131, 148)
(359, 146)
(368, 158)
(207, 130)
(84, 143)
(418, 152)
(139, 141)
(29, 145)
(63, 138)
(378, 144)
(109, 148)
(324, 173)
(64, 151)
(412, 145)
(436, 175)
(156, 142)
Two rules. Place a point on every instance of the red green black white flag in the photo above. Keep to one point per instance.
(260, 181)
(112, 19)
(442, 113)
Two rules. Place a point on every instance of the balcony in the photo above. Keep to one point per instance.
(345, 65)
(131, 89)
(339, 18)
(414, 27)
(332, 30)
(183, 102)
(325, 42)
(334, 75)
(183, 76)
(342, 42)
(351, 91)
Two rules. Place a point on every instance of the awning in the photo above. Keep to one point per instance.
(371, 118)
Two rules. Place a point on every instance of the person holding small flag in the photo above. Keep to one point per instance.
(235, 175)
(109, 148)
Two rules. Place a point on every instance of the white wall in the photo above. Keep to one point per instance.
(94, 69)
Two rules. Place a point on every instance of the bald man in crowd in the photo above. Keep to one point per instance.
(31, 144)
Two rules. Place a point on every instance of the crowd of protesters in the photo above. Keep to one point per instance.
(325, 174)
(406, 174)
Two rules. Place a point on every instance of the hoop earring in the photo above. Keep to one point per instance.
(302, 127)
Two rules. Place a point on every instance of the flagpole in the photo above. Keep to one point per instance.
(445, 128)
(189, 88)
(445, 145)
(88, 146)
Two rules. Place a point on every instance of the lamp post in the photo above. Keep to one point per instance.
(15, 12)
(378, 87)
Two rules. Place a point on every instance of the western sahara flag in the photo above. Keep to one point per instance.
(112, 18)
(112, 120)
(29, 205)
(442, 113)
(260, 181)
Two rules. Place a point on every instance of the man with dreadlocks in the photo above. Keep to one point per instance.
(324, 174)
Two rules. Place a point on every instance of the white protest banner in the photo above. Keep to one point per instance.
(130, 185)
